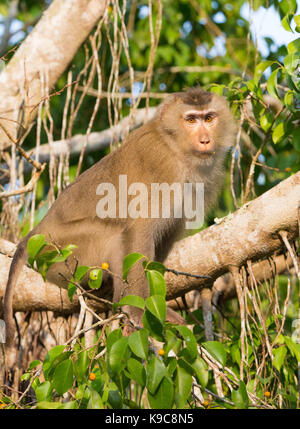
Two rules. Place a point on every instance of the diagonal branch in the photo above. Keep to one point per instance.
(251, 233)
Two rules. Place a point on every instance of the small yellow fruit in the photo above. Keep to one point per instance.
(206, 404)
(2, 405)
(105, 265)
(161, 352)
(267, 394)
(288, 169)
(92, 376)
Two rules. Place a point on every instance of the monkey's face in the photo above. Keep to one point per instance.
(208, 129)
(200, 128)
(200, 125)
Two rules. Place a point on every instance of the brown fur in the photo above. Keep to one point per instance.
(159, 151)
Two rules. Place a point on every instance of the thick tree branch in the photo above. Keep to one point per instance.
(251, 233)
(69, 22)
(96, 140)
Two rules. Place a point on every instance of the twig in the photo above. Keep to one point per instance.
(27, 188)
(239, 291)
(95, 325)
(182, 273)
(283, 235)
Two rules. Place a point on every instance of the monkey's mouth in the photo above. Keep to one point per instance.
(204, 154)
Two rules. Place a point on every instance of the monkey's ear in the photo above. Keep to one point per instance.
(163, 107)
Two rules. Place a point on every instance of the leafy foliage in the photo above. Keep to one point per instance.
(100, 377)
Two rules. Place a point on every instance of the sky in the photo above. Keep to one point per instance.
(266, 23)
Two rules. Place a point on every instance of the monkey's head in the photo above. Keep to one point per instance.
(199, 123)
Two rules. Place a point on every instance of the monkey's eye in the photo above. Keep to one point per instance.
(191, 120)
(208, 118)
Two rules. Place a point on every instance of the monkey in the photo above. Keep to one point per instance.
(185, 142)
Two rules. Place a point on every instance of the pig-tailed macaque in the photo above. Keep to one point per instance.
(107, 211)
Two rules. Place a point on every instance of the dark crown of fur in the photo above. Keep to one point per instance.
(195, 96)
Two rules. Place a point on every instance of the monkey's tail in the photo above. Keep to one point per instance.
(17, 264)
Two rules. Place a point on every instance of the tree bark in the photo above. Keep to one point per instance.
(251, 233)
(47, 51)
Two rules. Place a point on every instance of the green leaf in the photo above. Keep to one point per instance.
(289, 99)
(50, 357)
(115, 399)
(156, 370)
(45, 405)
(156, 304)
(64, 253)
(34, 364)
(235, 353)
(80, 272)
(154, 266)
(291, 62)
(217, 350)
(266, 121)
(116, 356)
(63, 377)
(183, 387)
(138, 343)
(293, 347)
(171, 341)
(297, 20)
(70, 405)
(190, 341)
(164, 397)
(286, 22)
(288, 6)
(96, 283)
(137, 371)
(135, 301)
(172, 365)
(112, 338)
(201, 371)
(95, 402)
(294, 46)
(71, 290)
(272, 84)
(94, 274)
(35, 245)
(26, 376)
(81, 365)
(279, 132)
(279, 355)
(240, 396)
(260, 68)
(153, 325)
(156, 282)
(43, 391)
(129, 261)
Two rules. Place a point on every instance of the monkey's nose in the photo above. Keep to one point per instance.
(204, 141)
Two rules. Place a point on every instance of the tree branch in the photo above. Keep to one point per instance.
(251, 233)
(41, 54)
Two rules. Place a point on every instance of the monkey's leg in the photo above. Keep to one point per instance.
(137, 283)
(137, 238)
